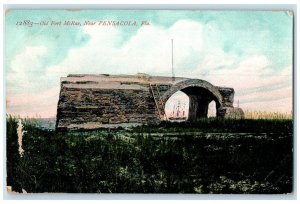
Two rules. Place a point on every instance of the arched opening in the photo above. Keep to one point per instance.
(177, 107)
(200, 98)
(212, 109)
(200, 94)
(191, 103)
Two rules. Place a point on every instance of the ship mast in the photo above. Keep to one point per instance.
(173, 111)
(183, 109)
(178, 110)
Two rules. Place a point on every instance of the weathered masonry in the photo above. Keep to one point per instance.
(94, 101)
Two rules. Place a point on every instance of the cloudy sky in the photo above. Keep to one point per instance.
(250, 51)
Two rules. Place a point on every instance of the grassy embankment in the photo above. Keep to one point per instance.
(138, 160)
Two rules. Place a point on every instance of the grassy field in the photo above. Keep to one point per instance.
(208, 156)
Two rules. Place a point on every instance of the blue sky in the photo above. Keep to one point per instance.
(250, 51)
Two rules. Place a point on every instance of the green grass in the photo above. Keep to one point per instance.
(222, 125)
(99, 161)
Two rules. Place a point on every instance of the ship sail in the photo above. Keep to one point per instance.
(178, 113)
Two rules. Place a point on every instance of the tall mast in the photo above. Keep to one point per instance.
(173, 75)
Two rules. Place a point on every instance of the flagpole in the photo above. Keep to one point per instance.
(173, 75)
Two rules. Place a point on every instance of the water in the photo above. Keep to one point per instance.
(46, 123)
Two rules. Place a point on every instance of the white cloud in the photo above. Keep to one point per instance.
(25, 67)
(215, 58)
(256, 84)
(147, 51)
(28, 60)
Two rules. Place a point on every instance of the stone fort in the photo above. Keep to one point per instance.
(95, 101)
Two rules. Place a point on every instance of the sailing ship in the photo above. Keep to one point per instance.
(178, 114)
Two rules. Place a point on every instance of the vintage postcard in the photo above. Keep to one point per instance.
(149, 101)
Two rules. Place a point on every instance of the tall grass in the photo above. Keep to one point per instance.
(267, 115)
(27, 121)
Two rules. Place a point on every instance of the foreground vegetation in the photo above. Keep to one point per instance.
(140, 161)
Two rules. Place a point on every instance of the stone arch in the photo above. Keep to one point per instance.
(200, 94)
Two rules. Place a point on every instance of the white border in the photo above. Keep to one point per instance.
(130, 4)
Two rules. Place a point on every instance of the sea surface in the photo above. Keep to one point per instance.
(46, 123)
